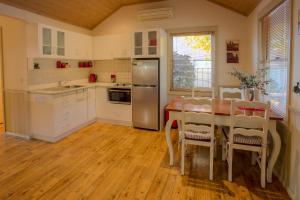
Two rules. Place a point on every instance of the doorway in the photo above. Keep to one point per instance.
(2, 110)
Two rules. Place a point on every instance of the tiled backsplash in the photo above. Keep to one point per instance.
(48, 73)
(121, 68)
(43, 76)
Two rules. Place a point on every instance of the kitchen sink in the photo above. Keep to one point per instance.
(73, 86)
(63, 88)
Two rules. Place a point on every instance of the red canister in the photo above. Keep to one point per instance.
(58, 64)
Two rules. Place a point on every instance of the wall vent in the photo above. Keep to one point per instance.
(155, 14)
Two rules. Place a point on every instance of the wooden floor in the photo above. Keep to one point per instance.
(106, 161)
(1, 128)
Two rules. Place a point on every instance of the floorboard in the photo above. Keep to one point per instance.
(105, 161)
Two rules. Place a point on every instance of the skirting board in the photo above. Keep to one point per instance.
(18, 135)
(290, 191)
(117, 122)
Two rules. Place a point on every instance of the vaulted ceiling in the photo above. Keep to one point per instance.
(89, 13)
(244, 7)
(84, 13)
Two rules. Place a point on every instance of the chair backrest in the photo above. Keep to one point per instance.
(202, 118)
(249, 119)
(228, 90)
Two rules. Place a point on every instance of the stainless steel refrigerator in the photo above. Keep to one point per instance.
(145, 93)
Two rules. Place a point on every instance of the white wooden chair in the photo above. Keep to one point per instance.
(228, 90)
(248, 131)
(198, 129)
(223, 91)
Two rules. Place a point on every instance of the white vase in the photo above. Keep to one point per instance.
(249, 94)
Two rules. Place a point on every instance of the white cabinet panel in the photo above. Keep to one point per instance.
(81, 106)
(112, 46)
(53, 116)
(146, 43)
(79, 46)
(91, 104)
(50, 42)
(110, 111)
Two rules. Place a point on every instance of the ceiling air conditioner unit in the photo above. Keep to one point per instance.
(155, 14)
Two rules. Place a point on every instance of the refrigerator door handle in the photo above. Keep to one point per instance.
(145, 86)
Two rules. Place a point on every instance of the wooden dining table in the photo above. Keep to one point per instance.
(222, 118)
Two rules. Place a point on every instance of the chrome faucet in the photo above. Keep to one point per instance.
(61, 83)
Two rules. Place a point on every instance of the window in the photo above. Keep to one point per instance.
(276, 36)
(192, 61)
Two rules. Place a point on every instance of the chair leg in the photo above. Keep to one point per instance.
(253, 158)
(223, 148)
(211, 164)
(263, 168)
(230, 157)
(215, 149)
(182, 155)
(179, 140)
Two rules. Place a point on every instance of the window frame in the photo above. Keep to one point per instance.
(189, 31)
(262, 50)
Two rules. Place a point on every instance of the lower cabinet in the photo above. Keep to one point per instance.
(111, 112)
(91, 104)
(53, 117)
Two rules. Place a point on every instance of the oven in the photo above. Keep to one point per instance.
(119, 95)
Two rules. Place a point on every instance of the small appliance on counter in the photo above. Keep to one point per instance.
(93, 78)
(60, 64)
(113, 78)
(85, 64)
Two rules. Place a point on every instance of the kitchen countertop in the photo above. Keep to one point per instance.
(56, 90)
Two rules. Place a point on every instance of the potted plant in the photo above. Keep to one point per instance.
(252, 82)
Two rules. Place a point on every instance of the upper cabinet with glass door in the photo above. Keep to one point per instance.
(60, 42)
(52, 42)
(146, 43)
(47, 48)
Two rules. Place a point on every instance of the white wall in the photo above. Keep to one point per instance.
(14, 53)
(294, 180)
(288, 166)
(191, 13)
(15, 73)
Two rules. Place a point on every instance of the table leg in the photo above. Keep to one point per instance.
(169, 141)
(276, 150)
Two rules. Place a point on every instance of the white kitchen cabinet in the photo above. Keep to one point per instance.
(79, 46)
(53, 117)
(91, 104)
(112, 46)
(146, 43)
(111, 112)
(45, 41)
(81, 106)
(51, 42)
